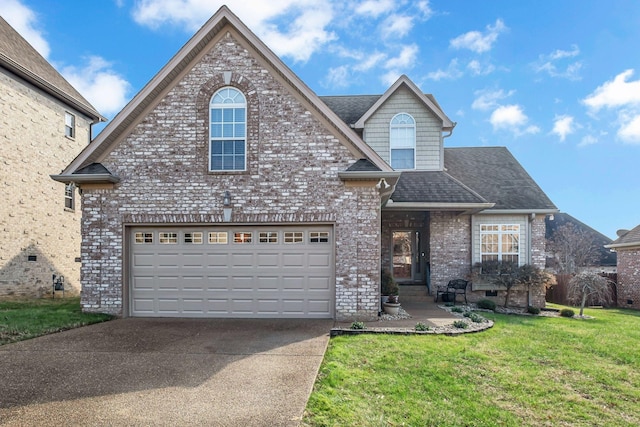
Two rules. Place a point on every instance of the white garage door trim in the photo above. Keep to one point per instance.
(232, 271)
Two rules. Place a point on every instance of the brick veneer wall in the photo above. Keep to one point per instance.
(450, 250)
(33, 219)
(293, 162)
(628, 285)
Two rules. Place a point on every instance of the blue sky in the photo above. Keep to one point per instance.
(555, 81)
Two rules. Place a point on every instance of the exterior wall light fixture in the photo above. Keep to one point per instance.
(226, 206)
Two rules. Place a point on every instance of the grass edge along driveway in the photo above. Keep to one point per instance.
(525, 371)
(29, 318)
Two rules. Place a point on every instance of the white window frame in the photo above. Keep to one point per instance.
(218, 238)
(193, 238)
(402, 122)
(318, 237)
(168, 238)
(243, 237)
(268, 237)
(227, 133)
(143, 238)
(70, 197)
(502, 236)
(293, 237)
(69, 125)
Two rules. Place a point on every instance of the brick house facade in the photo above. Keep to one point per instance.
(40, 225)
(309, 208)
(627, 247)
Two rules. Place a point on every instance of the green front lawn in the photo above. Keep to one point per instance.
(24, 319)
(525, 371)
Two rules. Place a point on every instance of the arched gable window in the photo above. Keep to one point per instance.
(402, 141)
(228, 129)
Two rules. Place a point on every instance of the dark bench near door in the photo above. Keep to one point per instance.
(454, 287)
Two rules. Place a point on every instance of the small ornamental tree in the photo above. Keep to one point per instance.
(588, 284)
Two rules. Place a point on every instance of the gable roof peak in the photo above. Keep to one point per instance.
(181, 61)
(427, 100)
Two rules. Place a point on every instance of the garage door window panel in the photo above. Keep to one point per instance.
(293, 237)
(194, 238)
(168, 238)
(242, 237)
(318, 237)
(218, 238)
(143, 238)
(268, 237)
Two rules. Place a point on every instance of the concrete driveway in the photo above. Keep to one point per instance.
(164, 372)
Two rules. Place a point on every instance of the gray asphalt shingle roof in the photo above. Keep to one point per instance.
(631, 237)
(433, 187)
(19, 57)
(497, 176)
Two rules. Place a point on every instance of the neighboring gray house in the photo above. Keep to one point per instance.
(228, 188)
(627, 246)
(44, 123)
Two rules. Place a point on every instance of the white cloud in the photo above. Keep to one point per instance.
(512, 118)
(370, 61)
(477, 41)
(337, 77)
(563, 126)
(100, 84)
(623, 97)
(615, 93)
(629, 132)
(390, 77)
(588, 140)
(24, 21)
(478, 69)
(396, 26)
(293, 28)
(488, 99)
(425, 8)
(451, 73)
(405, 59)
(550, 64)
(375, 8)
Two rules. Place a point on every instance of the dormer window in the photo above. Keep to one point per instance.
(402, 142)
(228, 124)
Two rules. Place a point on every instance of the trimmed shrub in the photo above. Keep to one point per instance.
(567, 312)
(358, 325)
(533, 310)
(487, 304)
(461, 324)
(476, 318)
(457, 309)
(421, 327)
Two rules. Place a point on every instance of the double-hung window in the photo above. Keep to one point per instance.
(228, 128)
(402, 141)
(69, 125)
(70, 196)
(500, 242)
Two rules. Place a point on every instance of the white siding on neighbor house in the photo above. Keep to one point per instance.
(428, 129)
(521, 220)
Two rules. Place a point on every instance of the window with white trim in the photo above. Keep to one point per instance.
(402, 141)
(70, 196)
(318, 237)
(218, 237)
(168, 238)
(227, 130)
(500, 242)
(194, 238)
(293, 236)
(268, 237)
(69, 125)
(143, 238)
(242, 237)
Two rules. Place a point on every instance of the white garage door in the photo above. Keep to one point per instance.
(232, 272)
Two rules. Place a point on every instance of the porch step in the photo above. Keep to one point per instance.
(414, 293)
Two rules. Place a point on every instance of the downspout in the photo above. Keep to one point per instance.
(532, 217)
(442, 145)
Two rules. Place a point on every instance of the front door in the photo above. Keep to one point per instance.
(406, 256)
